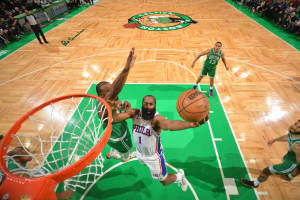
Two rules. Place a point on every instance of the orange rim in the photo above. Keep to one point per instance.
(70, 170)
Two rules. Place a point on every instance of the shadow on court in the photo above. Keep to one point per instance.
(202, 172)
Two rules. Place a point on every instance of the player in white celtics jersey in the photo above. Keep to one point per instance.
(290, 166)
(120, 139)
(210, 64)
(147, 127)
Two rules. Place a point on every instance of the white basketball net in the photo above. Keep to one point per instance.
(59, 135)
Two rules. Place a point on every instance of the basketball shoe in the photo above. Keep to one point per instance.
(193, 21)
(183, 182)
(194, 87)
(113, 154)
(248, 183)
(210, 92)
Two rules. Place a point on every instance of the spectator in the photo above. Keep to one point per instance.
(283, 18)
(30, 4)
(297, 27)
(259, 8)
(8, 34)
(15, 26)
(263, 8)
(3, 38)
(285, 13)
(291, 22)
(18, 11)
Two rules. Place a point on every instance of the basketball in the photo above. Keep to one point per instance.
(192, 105)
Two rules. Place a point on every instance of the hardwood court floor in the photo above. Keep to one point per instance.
(260, 94)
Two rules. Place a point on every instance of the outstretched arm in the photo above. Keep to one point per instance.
(224, 61)
(172, 125)
(119, 82)
(201, 54)
(283, 138)
(130, 113)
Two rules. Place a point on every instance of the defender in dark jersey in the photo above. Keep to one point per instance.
(290, 166)
(120, 139)
(210, 64)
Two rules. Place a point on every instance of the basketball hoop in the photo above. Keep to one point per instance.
(70, 136)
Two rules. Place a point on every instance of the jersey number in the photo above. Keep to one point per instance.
(212, 61)
(140, 140)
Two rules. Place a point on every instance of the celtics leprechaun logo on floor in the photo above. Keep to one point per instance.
(160, 21)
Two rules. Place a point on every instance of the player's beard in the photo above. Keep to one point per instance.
(146, 115)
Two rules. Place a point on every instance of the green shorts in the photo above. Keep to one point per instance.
(210, 70)
(122, 144)
(289, 163)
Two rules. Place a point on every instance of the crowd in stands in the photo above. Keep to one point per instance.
(284, 13)
(10, 28)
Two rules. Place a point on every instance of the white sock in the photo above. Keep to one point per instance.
(256, 182)
(178, 177)
(211, 88)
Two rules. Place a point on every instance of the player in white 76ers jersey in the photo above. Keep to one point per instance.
(147, 126)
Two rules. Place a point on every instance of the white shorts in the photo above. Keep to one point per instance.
(156, 165)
